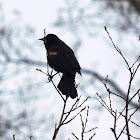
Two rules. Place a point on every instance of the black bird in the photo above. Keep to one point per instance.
(62, 59)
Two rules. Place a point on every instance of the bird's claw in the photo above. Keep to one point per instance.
(50, 77)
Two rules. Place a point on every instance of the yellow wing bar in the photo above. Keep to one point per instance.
(52, 53)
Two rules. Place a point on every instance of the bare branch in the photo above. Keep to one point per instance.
(63, 123)
(104, 104)
(132, 136)
(75, 136)
(135, 62)
(117, 49)
(60, 121)
(31, 137)
(14, 136)
(52, 83)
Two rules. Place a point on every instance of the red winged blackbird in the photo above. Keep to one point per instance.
(62, 59)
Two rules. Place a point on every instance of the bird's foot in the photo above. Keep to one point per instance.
(50, 77)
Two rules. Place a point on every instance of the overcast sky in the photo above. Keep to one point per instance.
(41, 14)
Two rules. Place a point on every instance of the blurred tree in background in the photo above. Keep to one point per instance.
(17, 109)
(21, 91)
(89, 18)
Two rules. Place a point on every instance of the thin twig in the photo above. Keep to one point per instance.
(63, 123)
(14, 136)
(73, 108)
(135, 62)
(129, 102)
(60, 121)
(132, 136)
(84, 124)
(91, 130)
(92, 136)
(128, 121)
(117, 49)
(132, 122)
(132, 74)
(115, 123)
(104, 104)
(75, 136)
(52, 83)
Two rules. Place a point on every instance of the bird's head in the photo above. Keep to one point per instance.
(49, 40)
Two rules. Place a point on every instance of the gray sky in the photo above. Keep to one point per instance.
(41, 14)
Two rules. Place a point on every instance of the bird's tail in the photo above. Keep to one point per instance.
(67, 85)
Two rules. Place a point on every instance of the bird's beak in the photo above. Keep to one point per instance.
(42, 39)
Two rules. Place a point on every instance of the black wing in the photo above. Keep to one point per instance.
(64, 60)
